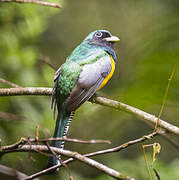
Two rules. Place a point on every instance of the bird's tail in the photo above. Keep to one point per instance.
(62, 124)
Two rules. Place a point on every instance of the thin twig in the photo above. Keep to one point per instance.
(92, 141)
(147, 165)
(43, 3)
(8, 82)
(17, 144)
(165, 97)
(156, 174)
(58, 157)
(123, 146)
(46, 60)
(28, 140)
(157, 122)
(53, 153)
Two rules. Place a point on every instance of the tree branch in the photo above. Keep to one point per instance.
(137, 112)
(98, 100)
(115, 149)
(35, 148)
(123, 146)
(17, 148)
(25, 91)
(43, 3)
(92, 141)
(24, 141)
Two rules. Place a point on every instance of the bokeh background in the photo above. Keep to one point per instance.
(147, 54)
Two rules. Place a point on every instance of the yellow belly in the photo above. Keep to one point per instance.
(108, 77)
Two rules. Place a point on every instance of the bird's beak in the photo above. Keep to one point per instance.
(112, 39)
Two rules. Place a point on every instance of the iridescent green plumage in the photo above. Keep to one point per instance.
(79, 78)
(67, 79)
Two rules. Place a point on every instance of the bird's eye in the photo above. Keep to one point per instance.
(98, 34)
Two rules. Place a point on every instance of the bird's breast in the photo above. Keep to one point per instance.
(108, 77)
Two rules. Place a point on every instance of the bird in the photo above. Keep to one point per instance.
(86, 70)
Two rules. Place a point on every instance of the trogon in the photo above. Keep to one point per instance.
(86, 70)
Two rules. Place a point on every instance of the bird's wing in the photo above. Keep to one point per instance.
(90, 79)
(53, 99)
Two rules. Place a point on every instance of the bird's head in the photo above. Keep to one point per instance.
(101, 38)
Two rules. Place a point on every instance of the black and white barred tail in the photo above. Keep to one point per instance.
(63, 121)
(66, 128)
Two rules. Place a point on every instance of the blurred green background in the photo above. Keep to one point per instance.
(147, 53)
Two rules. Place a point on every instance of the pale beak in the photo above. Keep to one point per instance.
(112, 39)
